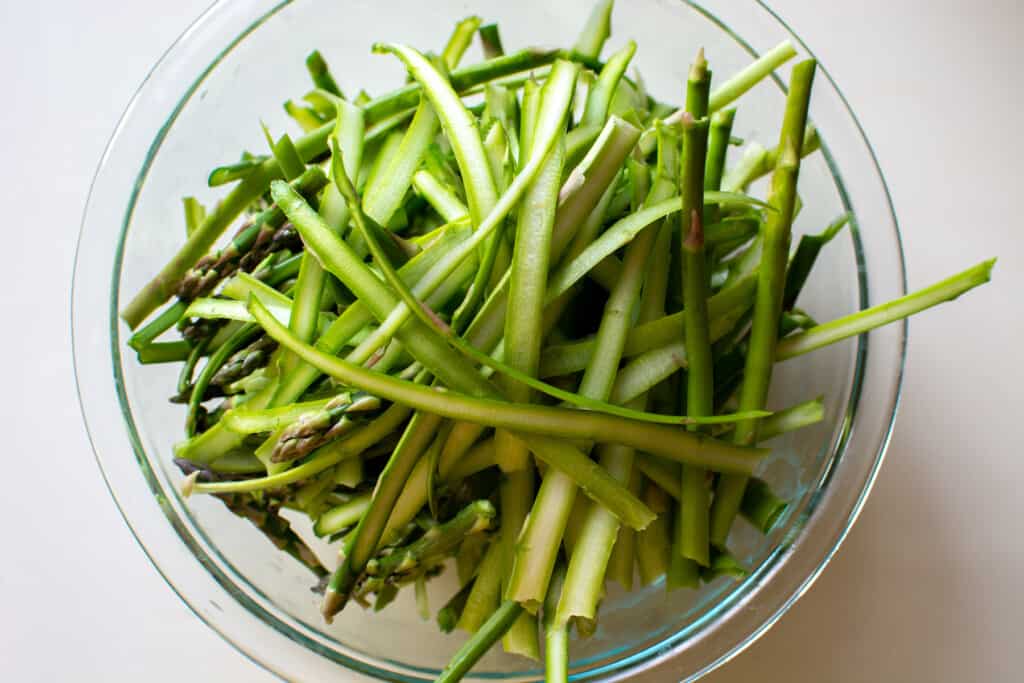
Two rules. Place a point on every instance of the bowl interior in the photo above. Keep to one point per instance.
(219, 116)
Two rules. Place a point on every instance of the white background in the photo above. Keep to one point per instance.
(926, 588)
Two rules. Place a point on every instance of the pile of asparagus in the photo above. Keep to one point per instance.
(519, 313)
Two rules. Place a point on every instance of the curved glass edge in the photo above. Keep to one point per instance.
(618, 667)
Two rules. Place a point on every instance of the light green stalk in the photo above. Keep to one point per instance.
(459, 41)
(883, 314)
(596, 31)
(386, 190)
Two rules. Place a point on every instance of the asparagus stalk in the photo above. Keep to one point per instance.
(343, 516)
(490, 41)
(692, 530)
(470, 653)
(321, 74)
(460, 39)
(556, 634)
(654, 543)
(596, 31)
(449, 614)
(883, 314)
(746, 79)
(770, 291)
(485, 595)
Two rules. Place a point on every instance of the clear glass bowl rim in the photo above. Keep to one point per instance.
(632, 664)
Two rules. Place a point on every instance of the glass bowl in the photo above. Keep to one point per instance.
(202, 104)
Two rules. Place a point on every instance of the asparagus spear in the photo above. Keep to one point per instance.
(770, 292)
(692, 527)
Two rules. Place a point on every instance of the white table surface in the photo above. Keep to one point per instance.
(926, 588)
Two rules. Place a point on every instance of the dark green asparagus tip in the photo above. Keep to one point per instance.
(315, 61)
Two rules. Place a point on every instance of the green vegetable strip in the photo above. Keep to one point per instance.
(342, 516)
(321, 74)
(517, 492)
(883, 314)
(460, 127)
(718, 149)
(287, 157)
(692, 528)
(599, 98)
(654, 543)
(306, 117)
(414, 495)
(158, 325)
(490, 41)
(527, 282)
(620, 234)
(310, 284)
(309, 146)
(448, 616)
(463, 79)
(239, 339)
(470, 653)
(496, 145)
(438, 196)
(195, 212)
(385, 193)
(592, 550)
(590, 179)
(221, 309)
(229, 173)
(164, 352)
(460, 39)
(486, 593)
(770, 290)
(803, 260)
(621, 562)
(732, 89)
(761, 507)
(523, 336)
(758, 162)
(556, 635)
(596, 31)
